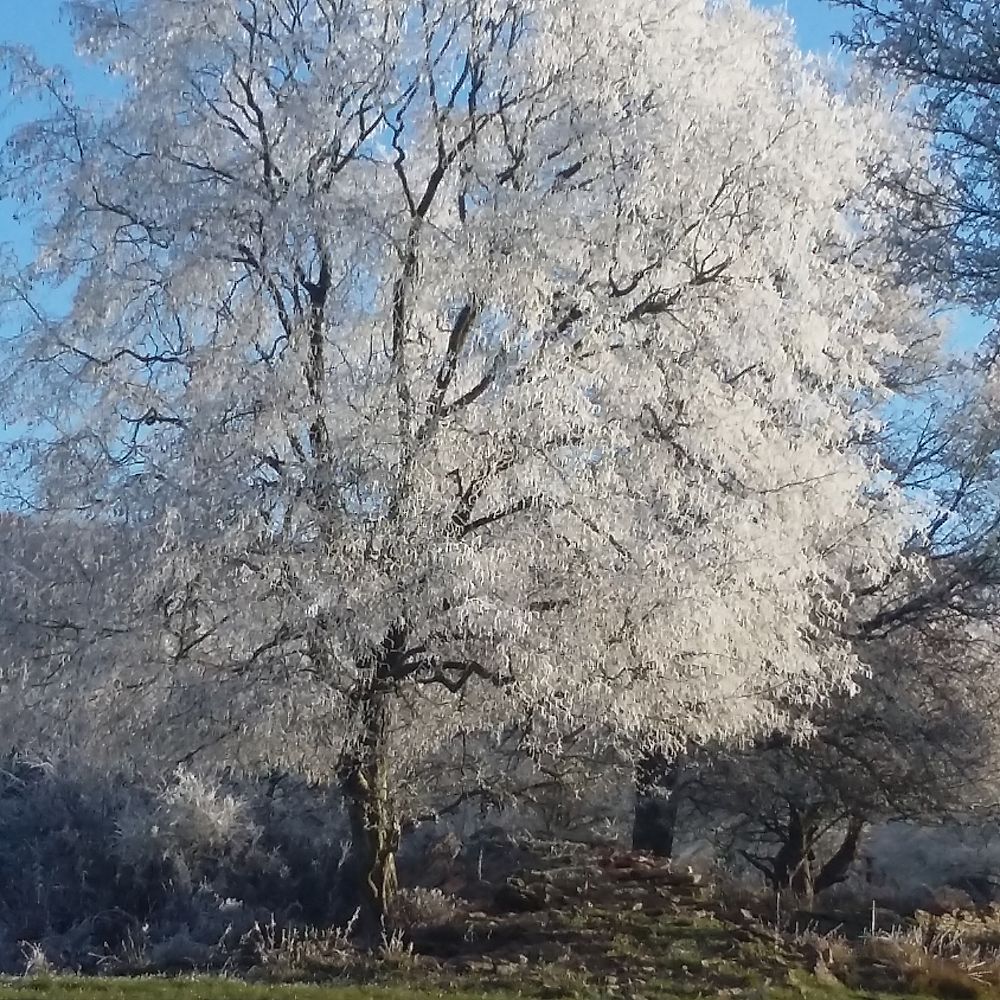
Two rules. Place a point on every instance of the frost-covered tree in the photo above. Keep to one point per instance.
(949, 51)
(461, 359)
(918, 742)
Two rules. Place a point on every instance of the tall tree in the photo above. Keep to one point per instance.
(465, 358)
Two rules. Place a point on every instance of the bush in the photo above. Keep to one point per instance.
(101, 868)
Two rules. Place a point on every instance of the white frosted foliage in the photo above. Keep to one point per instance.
(500, 355)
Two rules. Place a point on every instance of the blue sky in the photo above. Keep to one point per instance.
(38, 23)
(815, 21)
(41, 24)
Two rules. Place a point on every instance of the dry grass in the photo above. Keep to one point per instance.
(953, 957)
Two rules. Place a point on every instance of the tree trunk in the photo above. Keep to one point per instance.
(654, 821)
(370, 883)
(839, 865)
(793, 864)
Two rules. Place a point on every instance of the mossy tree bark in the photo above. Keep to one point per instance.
(370, 884)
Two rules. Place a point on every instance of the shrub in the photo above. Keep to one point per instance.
(98, 867)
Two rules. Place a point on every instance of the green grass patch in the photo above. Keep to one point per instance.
(798, 986)
(214, 988)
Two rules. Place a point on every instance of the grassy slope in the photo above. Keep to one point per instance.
(597, 928)
(586, 954)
